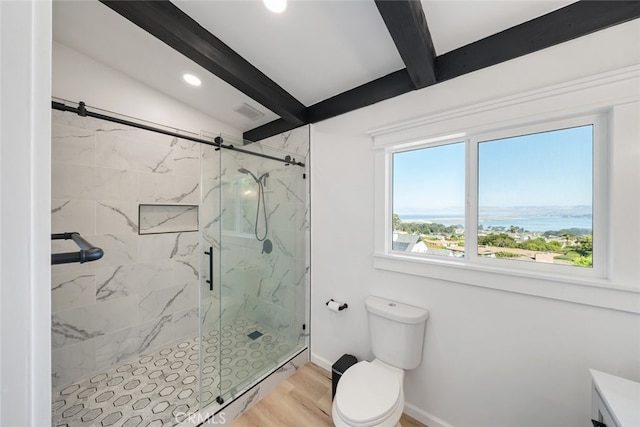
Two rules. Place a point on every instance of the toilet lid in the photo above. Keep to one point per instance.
(366, 393)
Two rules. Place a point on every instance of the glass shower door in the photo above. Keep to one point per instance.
(262, 211)
(210, 275)
(253, 268)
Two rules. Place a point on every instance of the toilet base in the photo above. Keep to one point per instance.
(340, 425)
(338, 422)
(392, 419)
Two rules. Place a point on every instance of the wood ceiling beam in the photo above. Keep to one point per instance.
(267, 130)
(168, 23)
(386, 87)
(570, 22)
(408, 27)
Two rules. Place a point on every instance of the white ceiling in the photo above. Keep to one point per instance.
(314, 50)
(456, 23)
(98, 32)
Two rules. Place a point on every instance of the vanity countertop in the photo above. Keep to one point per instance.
(621, 396)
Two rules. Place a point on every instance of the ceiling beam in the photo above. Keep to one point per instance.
(408, 27)
(570, 22)
(267, 130)
(386, 87)
(567, 23)
(168, 23)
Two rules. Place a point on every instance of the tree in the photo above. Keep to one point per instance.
(501, 240)
(585, 245)
(537, 244)
(396, 221)
(554, 246)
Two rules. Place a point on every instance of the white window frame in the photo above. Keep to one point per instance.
(472, 141)
(457, 138)
(600, 184)
(615, 99)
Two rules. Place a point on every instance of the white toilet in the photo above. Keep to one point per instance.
(370, 393)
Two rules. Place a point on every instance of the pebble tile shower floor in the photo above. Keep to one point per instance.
(155, 390)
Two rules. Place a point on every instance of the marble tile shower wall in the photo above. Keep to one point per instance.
(297, 142)
(209, 226)
(143, 293)
(269, 288)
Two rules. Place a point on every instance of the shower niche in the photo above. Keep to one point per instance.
(203, 288)
(157, 219)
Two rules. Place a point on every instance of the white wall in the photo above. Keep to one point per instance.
(25, 37)
(77, 77)
(491, 358)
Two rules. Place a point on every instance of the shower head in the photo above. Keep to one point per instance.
(248, 172)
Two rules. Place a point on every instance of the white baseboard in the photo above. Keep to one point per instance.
(424, 417)
(321, 362)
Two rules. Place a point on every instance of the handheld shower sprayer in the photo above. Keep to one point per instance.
(257, 180)
(267, 246)
(248, 172)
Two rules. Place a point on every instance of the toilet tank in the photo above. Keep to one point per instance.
(397, 332)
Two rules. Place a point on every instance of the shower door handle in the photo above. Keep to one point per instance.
(210, 281)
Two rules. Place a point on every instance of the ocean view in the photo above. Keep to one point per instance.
(530, 223)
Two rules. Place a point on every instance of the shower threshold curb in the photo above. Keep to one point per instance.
(225, 414)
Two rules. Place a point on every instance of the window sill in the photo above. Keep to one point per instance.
(594, 292)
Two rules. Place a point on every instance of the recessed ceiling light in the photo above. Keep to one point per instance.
(276, 6)
(192, 80)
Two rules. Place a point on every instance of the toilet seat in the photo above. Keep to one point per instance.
(368, 394)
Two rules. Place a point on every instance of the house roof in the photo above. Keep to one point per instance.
(404, 242)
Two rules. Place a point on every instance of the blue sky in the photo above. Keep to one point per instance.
(545, 169)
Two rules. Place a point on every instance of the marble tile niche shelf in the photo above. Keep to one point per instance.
(158, 219)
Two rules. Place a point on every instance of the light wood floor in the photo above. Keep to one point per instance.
(302, 400)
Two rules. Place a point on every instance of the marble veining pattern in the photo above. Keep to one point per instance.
(143, 293)
(72, 289)
(154, 276)
(168, 218)
(265, 286)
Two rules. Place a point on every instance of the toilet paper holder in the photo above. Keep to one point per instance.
(341, 305)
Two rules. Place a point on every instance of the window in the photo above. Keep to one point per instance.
(521, 198)
(599, 111)
(535, 197)
(428, 200)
